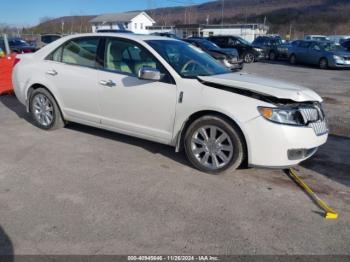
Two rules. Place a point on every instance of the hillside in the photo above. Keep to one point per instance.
(303, 16)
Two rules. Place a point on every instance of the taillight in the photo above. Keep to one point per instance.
(17, 60)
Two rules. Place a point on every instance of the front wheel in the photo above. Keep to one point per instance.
(323, 64)
(249, 58)
(45, 110)
(272, 56)
(293, 59)
(213, 145)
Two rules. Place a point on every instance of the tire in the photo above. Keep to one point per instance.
(249, 58)
(293, 59)
(323, 63)
(214, 152)
(272, 56)
(45, 111)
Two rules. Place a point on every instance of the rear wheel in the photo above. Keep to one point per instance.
(213, 145)
(323, 63)
(293, 59)
(45, 110)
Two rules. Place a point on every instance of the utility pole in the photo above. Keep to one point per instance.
(290, 32)
(62, 26)
(222, 13)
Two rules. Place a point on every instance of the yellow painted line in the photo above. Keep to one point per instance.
(329, 212)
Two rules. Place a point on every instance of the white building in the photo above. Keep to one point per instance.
(132, 21)
(247, 31)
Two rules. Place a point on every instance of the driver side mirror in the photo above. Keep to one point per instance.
(149, 73)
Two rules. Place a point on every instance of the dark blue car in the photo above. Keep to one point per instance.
(325, 54)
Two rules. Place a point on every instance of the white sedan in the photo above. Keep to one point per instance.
(168, 91)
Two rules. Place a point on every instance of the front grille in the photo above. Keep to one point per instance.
(314, 117)
(319, 127)
(347, 58)
(310, 114)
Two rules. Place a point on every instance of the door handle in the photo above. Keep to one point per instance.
(52, 72)
(108, 83)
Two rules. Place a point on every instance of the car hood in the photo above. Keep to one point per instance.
(263, 86)
(222, 51)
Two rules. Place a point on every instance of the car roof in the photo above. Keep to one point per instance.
(136, 37)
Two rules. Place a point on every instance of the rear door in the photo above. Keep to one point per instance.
(314, 54)
(71, 70)
(302, 52)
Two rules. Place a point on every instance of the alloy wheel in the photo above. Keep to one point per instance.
(323, 63)
(293, 60)
(43, 110)
(212, 147)
(249, 58)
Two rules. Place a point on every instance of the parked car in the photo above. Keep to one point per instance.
(166, 91)
(325, 54)
(346, 44)
(272, 46)
(246, 51)
(166, 34)
(20, 46)
(228, 57)
(316, 38)
(338, 39)
(46, 39)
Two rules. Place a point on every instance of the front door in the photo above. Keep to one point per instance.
(131, 105)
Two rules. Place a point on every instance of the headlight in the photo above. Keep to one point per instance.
(258, 49)
(225, 62)
(287, 116)
(336, 57)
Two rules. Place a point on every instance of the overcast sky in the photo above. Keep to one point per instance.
(29, 12)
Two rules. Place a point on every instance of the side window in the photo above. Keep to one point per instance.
(232, 41)
(128, 57)
(316, 47)
(45, 39)
(81, 51)
(55, 55)
(304, 44)
(219, 40)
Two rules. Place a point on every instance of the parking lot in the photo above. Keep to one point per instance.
(80, 190)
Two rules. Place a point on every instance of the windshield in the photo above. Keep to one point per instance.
(332, 47)
(276, 41)
(187, 60)
(243, 41)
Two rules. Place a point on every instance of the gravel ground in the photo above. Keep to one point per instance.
(80, 190)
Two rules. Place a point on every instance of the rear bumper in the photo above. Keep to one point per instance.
(277, 146)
